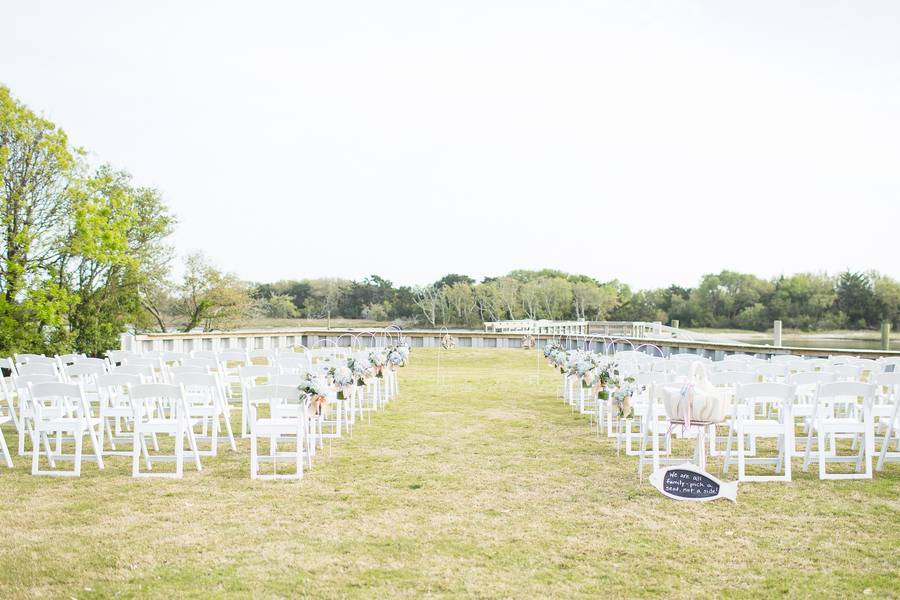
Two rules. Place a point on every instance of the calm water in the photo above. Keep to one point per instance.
(830, 342)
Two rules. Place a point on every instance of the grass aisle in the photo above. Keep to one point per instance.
(485, 485)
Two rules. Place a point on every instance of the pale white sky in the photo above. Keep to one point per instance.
(646, 141)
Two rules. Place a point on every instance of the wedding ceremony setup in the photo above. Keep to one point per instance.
(410, 299)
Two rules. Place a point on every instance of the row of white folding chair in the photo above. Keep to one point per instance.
(59, 408)
(748, 424)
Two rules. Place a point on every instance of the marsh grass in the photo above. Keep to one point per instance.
(483, 485)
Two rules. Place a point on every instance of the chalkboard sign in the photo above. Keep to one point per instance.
(688, 484)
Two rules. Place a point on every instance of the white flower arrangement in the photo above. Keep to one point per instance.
(361, 369)
(343, 380)
(378, 360)
(314, 391)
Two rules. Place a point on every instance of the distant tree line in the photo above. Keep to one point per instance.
(807, 301)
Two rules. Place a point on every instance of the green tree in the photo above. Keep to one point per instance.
(856, 299)
(37, 165)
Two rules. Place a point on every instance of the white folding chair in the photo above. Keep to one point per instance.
(840, 410)
(805, 384)
(250, 377)
(57, 409)
(115, 410)
(205, 401)
(287, 421)
(24, 410)
(149, 419)
(656, 428)
(746, 423)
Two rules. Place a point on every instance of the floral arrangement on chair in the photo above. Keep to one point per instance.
(556, 356)
(604, 377)
(313, 390)
(397, 356)
(621, 399)
(343, 380)
(583, 365)
(378, 360)
(361, 370)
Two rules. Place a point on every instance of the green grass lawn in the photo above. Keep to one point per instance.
(481, 485)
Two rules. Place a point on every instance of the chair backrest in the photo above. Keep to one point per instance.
(724, 366)
(752, 394)
(284, 400)
(732, 378)
(886, 379)
(24, 359)
(68, 359)
(118, 380)
(84, 371)
(208, 354)
(783, 358)
(738, 357)
(845, 392)
(154, 362)
(146, 371)
(239, 356)
(69, 396)
(195, 380)
(844, 372)
(175, 371)
(810, 378)
(771, 371)
(117, 356)
(267, 354)
(209, 363)
(114, 387)
(38, 368)
(173, 394)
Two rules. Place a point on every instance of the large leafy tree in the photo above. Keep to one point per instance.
(75, 246)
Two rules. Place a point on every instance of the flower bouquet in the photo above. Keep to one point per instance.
(447, 342)
(343, 380)
(604, 376)
(378, 359)
(314, 392)
(621, 399)
(583, 365)
(396, 357)
(361, 369)
(556, 355)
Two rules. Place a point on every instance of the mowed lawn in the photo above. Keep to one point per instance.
(482, 484)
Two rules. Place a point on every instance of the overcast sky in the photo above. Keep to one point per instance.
(646, 141)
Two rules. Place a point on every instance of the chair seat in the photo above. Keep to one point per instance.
(65, 423)
(204, 410)
(763, 425)
(839, 425)
(264, 427)
(164, 425)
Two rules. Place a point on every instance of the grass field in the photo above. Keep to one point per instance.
(482, 485)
